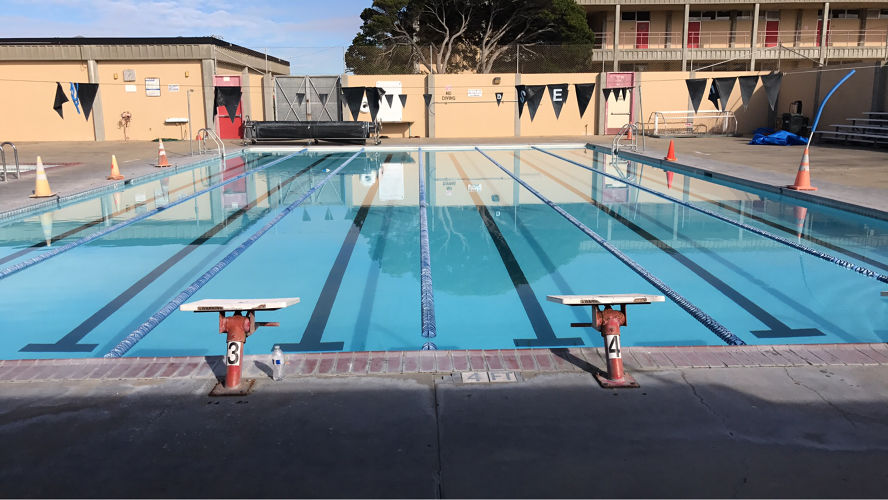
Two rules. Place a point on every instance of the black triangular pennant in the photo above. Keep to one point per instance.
(584, 95)
(353, 97)
(60, 98)
(229, 98)
(696, 87)
(521, 92)
(499, 98)
(725, 87)
(713, 95)
(323, 98)
(747, 85)
(373, 98)
(427, 98)
(403, 99)
(772, 83)
(390, 99)
(607, 94)
(558, 94)
(300, 98)
(623, 94)
(87, 93)
(381, 92)
(534, 97)
(305, 216)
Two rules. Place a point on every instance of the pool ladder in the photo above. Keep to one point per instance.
(18, 172)
(632, 145)
(202, 142)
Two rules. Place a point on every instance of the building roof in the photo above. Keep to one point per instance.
(171, 40)
(139, 49)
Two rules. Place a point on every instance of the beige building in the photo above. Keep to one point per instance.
(643, 35)
(157, 82)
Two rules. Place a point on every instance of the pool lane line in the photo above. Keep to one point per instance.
(811, 251)
(110, 216)
(320, 315)
(9, 271)
(426, 289)
(777, 329)
(538, 320)
(705, 319)
(139, 333)
(70, 342)
(777, 225)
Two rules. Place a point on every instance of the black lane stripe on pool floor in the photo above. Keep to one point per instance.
(134, 206)
(538, 320)
(777, 329)
(70, 342)
(314, 330)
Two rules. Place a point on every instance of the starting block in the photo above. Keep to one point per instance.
(237, 327)
(608, 321)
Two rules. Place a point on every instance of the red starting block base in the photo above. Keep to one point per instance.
(242, 389)
(627, 382)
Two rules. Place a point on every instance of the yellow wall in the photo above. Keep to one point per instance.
(569, 122)
(256, 98)
(667, 91)
(27, 92)
(414, 111)
(850, 100)
(149, 113)
(458, 115)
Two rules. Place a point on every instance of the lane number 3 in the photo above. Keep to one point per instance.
(233, 353)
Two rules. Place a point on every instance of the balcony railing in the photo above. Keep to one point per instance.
(743, 39)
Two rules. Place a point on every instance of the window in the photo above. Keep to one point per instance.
(770, 15)
(744, 14)
(723, 15)
(642, 15)
(843, 14)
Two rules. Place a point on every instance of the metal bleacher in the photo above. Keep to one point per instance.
(870, 129)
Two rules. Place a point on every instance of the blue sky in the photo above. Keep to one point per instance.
(310, 34)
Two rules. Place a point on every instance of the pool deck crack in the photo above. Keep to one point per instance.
(832, 405)
(741, 481)
(439, 486)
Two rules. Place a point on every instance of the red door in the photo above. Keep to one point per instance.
(771, 29)
(642, 28)
(226, 128)
(820, 32)
(693, 34)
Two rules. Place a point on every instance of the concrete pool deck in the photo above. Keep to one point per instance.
(750, 421)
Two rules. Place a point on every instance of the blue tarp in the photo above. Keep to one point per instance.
(779, 138)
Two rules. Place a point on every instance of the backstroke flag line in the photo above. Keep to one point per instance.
(353, 97)
(534, 97)
(585, 91)
(60, 98)
(725, 87)
(772, 83)
(558, 94)
(696, 87)
(747, 86)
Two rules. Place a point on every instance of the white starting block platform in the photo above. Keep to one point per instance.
(884, 294)
(603, 300)
(217, 305)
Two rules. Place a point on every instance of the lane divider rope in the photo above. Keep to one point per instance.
(706, 320)
(173, 305)
(779, 239)
(427, 293)
(21, 266)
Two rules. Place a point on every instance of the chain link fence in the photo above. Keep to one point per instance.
(525, 59)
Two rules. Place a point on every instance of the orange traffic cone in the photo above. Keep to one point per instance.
(803, 178)
(670, 155)
(161, 155)
(669, 176)
(629, 133)
(115, 172)
(41, 187)
(800, 214)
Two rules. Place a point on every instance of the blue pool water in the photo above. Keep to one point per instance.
(351, 252)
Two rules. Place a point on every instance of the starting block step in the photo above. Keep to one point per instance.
(216, 305)
(593, 300)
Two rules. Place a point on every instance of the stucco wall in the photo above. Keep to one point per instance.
(149, 113)
(27, 93)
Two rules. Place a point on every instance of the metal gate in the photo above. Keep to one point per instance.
(307, 98)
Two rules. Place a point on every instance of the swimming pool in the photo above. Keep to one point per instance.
(351, 250)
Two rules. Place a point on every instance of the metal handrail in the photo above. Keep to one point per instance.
(201, 142)
(633, 145)
(18, 172)
(742, 39)
(687, 117)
